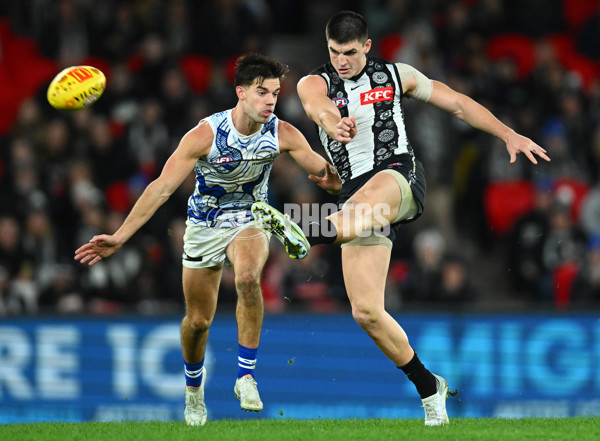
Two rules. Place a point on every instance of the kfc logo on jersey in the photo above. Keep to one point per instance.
(377, 95)
(340, 102)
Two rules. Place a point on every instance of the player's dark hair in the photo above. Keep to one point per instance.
(255, 66)
(347, 26)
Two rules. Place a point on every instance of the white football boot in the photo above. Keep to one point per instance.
(435, 405)
(246, 391)
(195, 409)
(288, 233)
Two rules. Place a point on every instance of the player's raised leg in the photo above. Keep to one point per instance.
(248, 253)
(286, 231)
(365, 272)
(374, 206)
(200, 288)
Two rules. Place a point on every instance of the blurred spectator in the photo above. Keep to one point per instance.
(589, 216)
(110, 159)
(120, 32)
(64, 30)
(148, 138)
(526, 241)
(564, 244)
(588, 37)
(425, 273)
(12, 255)
(455, 287)
(175, 101)
(585, 290)
(306, 284)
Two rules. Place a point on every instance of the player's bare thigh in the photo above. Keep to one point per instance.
(381, 193)
(201, 290)
(248, 251)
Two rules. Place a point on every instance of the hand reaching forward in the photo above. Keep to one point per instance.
(330, 181)
(520, 144)
(345, 130)
(100, 247)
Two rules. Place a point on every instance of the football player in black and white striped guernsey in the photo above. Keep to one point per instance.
(356, 101)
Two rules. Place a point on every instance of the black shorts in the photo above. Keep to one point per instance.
(410, 168)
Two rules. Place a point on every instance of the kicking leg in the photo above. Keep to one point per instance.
(374, 206)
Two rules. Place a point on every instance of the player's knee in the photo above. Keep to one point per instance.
(247, 283)
(365, 315)
(198, 322)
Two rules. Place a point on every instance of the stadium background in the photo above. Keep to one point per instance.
(498, 283)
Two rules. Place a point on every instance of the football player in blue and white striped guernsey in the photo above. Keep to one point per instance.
(231, 153)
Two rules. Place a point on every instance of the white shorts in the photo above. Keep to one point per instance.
(206, 247)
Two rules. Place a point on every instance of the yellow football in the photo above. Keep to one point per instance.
(76, 87)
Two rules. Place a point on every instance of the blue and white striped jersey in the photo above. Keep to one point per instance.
(234, 174)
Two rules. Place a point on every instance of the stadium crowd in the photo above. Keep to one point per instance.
(491, 232)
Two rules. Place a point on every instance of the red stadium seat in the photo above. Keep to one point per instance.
(563, 45)
(22, 72)
(505, 202)
(390, 46)
(198, 71)
(518, 47)
(118, 198)
(230, 68)
(577, 12)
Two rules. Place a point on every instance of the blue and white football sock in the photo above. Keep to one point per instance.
(193, 373)
(246, 360)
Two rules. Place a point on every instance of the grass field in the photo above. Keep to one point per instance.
(539, 429)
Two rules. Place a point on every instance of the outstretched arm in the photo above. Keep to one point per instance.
(194, 144)
(479, 117)
(312, 91)
(319, 170)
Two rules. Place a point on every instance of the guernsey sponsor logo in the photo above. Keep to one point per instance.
(377, 95)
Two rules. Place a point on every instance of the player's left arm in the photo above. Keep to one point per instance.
(476, 115)
(418, 86)
(292, 141)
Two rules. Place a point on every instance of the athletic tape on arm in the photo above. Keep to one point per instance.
(424, 85)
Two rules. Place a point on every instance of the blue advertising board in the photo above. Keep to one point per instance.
(309, 366)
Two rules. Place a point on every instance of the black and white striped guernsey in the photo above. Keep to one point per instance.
(374, 98)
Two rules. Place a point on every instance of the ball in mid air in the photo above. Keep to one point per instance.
(76, 87)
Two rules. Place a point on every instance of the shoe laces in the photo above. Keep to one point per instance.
(193, 399)
(430, 411)
(248, 380)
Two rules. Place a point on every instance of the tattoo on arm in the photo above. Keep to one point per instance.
(322, 173)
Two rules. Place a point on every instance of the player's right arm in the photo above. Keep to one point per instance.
(194, 144)
(312, 90)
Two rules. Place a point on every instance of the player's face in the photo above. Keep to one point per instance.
(260, 99)
(348, 59)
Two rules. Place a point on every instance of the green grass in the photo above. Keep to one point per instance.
(472, 429)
